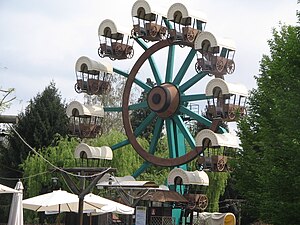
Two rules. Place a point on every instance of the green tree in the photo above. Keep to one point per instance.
(43, 118)
(267, 172)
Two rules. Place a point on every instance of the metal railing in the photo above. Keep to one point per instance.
(162, 220)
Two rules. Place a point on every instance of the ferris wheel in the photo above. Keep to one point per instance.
(179, 57)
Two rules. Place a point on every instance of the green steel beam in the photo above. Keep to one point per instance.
(146, 87)
(184, 67)
(199, 118)
(171, 138)
(192, 81)
(153, 66)
(186, 133)
(156, 135)
(170, 64)
(140, 170)
(140, 105)
(112, 109)
(144, 124)
(120, 144)
(196, 97)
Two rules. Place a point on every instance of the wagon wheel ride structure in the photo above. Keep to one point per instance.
(192, 66)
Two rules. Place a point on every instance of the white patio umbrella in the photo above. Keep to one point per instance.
(109, 205)
(58, 201)
(94, 204)
(16, 208)
(4, 189)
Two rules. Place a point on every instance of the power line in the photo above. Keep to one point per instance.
(54, 166)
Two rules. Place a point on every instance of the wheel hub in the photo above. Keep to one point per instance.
(164, 100)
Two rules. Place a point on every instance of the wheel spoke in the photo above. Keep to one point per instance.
(170, 64)
(146, 87)
(153, 66)
(184, 66)
(140, 170)
(144, 124)
(185, 131)
(120, 144)
(171, 138)
(197, 97)
(112, 109)
(192, 81)
(156, 135)
(199, 118)
(142, 43)
(140, 105)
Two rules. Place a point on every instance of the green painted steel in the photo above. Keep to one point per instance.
(146, 87)
(140, 170)
(144, 124)
(171, 138)
(112, 109)
(120, 144)
(140, 105)
(192, 81)
(152, 63)
(184, 67)
(170, 64)
(199, 118)
(197, 97)
(186, 133)
(156, 134)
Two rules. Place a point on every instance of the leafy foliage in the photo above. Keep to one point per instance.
(43, 118)
(267, 172)
(61, 155)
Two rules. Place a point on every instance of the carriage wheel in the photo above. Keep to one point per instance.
(118, 50)
(133, 33)
(220, 65)
(129, 52)
(190, 36)
(94, 88)
(153, 31)
(202, 202)
(77, 88)
(230, 67)
(221, 165)
(231, 115)
(163, 33)
(100, 53)
(198, 68)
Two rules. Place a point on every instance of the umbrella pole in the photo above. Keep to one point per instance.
(58, 218)
(90, 218)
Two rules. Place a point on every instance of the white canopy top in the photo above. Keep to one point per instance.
(103, 152)
(185, 13)
(108, 28)
(87, 65)
(214, 42)
(150, 12)
(188, 177)
(84, 110)
(124, 182)
(217, 140)
(226, 88)
(4, 189)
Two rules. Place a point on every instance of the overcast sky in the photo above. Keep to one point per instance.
(42, 39)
